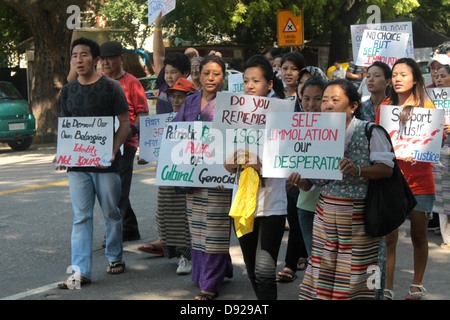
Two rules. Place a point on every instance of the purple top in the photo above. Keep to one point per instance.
(164, 100)
(190, 110)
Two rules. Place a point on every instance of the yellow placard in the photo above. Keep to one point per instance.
(290, 28)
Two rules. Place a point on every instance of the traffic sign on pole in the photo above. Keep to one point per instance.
(290, 28)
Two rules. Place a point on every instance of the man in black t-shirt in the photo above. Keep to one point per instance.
(92, 94)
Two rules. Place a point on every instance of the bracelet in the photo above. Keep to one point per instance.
(158, 29)
(359, 171)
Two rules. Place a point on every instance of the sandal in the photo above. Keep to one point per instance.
(82, 281)
(286, 275)
(116, 267)
(388, 294)
(302, 264)
(206, 296)
(152, 248)
(416, 295)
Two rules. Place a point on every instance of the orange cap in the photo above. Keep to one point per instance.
(182, 84)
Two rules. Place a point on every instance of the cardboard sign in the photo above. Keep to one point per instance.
(290, 28)
(150, 132)
(85, 141)
(311, 144)
(188, 157)
(241, 119)
(155, 6)
(441, 100)
(384, 46)
(357, 31)
(421, 136)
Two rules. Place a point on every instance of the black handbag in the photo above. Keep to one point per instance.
(388, 200)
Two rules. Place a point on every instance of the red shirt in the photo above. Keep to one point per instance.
(419, 176)
(137, 102)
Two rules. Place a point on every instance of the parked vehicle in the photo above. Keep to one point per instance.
(150, 91)
(17, 123)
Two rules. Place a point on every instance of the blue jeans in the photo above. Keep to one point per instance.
(83, 188)
(305, 219)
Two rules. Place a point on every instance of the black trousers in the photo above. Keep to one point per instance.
(129, 221)
(260, 250)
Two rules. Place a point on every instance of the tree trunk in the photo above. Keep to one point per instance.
(340, 31)
(47, 21)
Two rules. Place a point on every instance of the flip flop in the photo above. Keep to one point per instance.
(151, 248)
(206, 296)
(286, 276)
(81, 280)
(416, 295)
(116, 267)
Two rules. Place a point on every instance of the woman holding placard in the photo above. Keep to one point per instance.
(442, 170)
(207, 208)
(261, 245)
(378, 80)
(291, 64)
(342, 253)
(409, 92)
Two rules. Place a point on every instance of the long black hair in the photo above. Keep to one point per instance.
(262, 62)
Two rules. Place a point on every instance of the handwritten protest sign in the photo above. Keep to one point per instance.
(357, 32)
(236, 83)
(384, 46)
(311, 144)
(187, 157)
(156, 6)
(85, 141)
(420, 137)
(150, 132)
(441, 100)
(242, 119)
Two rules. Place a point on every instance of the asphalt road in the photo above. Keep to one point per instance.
(35, 226)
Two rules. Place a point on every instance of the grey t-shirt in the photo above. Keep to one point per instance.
(105, 98)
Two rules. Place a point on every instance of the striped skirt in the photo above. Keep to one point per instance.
(343, 258)
(210, 225)
(173, 226)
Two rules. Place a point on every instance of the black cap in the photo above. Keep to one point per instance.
(110, 49)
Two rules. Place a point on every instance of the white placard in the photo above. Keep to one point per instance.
(236, 83)
(311, 144)
(357, 31)
(242, 120)
(85, 141)
(151, 129)
(384, 46)
(441, 100)
(155, 6)
(420, 138)
(188, 158)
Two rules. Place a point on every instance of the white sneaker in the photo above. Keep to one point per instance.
(184, 266)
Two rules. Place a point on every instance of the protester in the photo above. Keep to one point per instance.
(311, 93)
(291, 64)
(276, 64)
(409, 92)
(443, 77)
(305, 74)
(442, 171)
(260, 247)
(354, 74)
(111, 60)
(173, 227)
(168, 68)
(341, 250)
(195, 72)
(92, 94)
(378, 81)
(207, 208)
(271, 53)
(362, 89)
(438, 61)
